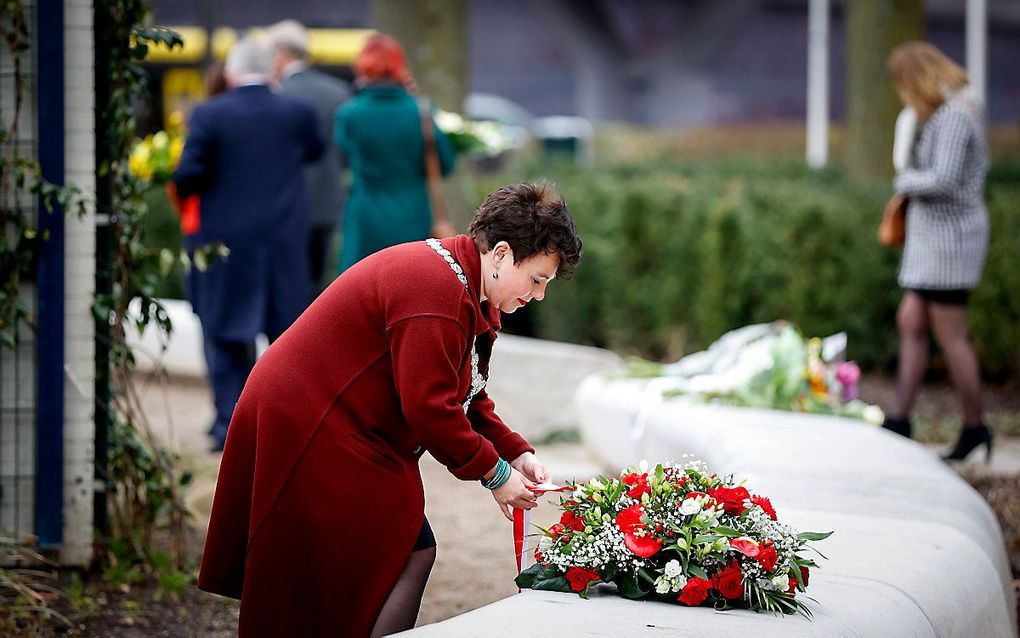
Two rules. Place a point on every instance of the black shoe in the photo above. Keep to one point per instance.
(898, 426)
(970, 438)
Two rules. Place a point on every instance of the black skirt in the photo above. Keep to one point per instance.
(426, 538)
(948, 297)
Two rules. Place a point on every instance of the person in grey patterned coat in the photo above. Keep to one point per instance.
(947, 233)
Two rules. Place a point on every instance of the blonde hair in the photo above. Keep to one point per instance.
(923, 75)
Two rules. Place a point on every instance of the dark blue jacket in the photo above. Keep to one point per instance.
(244, 158)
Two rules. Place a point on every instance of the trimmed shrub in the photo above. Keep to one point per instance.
(676, 254)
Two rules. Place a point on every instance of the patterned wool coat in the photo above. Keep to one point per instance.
(947, 222)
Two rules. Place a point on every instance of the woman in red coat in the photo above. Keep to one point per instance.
(318, 520)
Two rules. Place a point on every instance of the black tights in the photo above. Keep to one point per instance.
(948, 322)
(400, 611)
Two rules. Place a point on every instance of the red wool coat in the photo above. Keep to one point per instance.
(319, 498)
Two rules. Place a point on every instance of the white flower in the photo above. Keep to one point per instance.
(679, 582)
(662, 585)
(782, 582)
(873, 414)
(673, 569)
(449, 122)
(690, 506)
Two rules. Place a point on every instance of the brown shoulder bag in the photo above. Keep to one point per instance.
(893, 229)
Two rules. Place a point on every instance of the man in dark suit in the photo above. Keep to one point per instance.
(244, 157)
(289, 43)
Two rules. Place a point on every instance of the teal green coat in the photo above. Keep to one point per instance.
(379, 131)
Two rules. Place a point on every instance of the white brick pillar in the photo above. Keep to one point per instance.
(79, 273)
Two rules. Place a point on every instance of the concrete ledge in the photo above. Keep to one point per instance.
(916, 551)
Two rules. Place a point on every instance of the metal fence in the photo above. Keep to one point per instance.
(18, 365)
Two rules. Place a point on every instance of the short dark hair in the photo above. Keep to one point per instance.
(532, 219)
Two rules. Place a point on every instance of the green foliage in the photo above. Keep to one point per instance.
(678, 253)
(543, 577)
(162, 235)
(145, 487)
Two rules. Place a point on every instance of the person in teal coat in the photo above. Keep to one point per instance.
(380, 134)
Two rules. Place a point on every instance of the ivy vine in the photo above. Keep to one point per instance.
(145, 486)
(143, 481)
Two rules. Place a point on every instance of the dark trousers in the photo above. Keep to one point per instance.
(229, 363)
(319, 239)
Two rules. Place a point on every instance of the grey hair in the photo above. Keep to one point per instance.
(250, 56)
(290, 36)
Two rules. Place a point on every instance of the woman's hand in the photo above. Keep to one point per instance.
(515, 492)
(529, 465)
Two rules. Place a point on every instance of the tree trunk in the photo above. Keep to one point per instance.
(434, 33)
(874, 28)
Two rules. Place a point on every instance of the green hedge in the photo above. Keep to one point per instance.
(676, 254)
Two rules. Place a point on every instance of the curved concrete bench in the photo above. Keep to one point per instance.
(916, 551)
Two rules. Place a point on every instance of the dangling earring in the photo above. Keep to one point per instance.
(495, 275)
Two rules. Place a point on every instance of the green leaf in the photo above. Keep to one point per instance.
(629, 586)
(526, 579)
(813, 536)
(647, 575)
(695, 570)
(551, 580)
(729, 532)
(705, 539)
(609, 573)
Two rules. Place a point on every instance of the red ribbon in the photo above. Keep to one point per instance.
(522, 521)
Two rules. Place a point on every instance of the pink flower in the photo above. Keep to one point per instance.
(848, 374)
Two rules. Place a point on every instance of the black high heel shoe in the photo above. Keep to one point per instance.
(970, 438)
(899, 426)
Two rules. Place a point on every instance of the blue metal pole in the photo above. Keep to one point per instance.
(49, 486)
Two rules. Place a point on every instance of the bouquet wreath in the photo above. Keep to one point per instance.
(677, 534)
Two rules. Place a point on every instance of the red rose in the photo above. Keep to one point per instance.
(638, 484)
(767, 557)
(633, 478)
(572, 521)
(538, 556)
(629, 520)
(556, 530)
(729, 581)
(695, 591)
(579, 577)
(765, 504)
(803, 581)
(732, 498)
